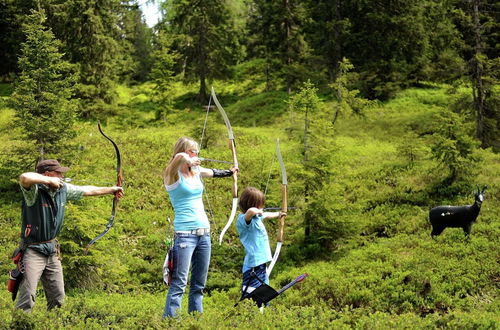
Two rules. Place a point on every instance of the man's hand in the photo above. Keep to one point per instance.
(54, 182)
(119, 190)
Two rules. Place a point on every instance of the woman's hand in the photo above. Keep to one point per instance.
(194, 161)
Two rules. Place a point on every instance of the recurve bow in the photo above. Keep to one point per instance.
(284, 208)
(232, 146)
(119, 179)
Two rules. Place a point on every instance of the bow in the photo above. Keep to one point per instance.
(232, 145)
(119, 179)
(284, 208)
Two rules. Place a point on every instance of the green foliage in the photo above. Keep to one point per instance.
(347, 100)
(453, 147)
(205, 37)
(162, 75)
(275, 34)
(371, 261)
(42, 95)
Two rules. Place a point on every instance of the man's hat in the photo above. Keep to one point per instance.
(50, 165)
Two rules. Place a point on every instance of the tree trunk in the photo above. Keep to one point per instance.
(288, 26)
(478, 92)
(307, 218)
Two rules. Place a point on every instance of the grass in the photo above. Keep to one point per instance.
(388, 273)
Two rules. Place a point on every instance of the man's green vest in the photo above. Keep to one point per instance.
(42, 221)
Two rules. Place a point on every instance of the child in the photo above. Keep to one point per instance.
(253, 236)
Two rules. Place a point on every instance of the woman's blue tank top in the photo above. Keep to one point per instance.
(186, 198)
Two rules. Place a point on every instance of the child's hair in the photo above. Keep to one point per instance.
(251, 197)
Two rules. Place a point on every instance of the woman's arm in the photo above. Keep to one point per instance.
(171, 171)
(215, 173)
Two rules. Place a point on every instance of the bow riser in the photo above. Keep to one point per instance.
(235, 174)
(284, 208)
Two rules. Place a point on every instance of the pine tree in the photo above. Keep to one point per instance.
(347, 99)
(90, 33)
(43, 90)
(388, 44)
(163, 75)
(327, 31)
(453, 147)
(275, 33)
(136, 42)
(477, 20)
(205, 37)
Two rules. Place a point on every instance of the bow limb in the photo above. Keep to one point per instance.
(119, 179)
(232, 146)
(284, 209)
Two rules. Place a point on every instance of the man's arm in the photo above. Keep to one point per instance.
(26, 180)
(97, 191)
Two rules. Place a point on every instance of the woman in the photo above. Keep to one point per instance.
(182, 179)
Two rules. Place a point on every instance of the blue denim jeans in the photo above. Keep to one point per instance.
(251, 281)
(189, 251)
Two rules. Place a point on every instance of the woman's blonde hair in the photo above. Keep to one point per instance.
(183, 144)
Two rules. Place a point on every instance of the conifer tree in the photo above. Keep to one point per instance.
(205, 38)
(90, 33)
(136, 42)
(453, 147)
(327, 31)
(477, 20)
(346, 99)
(43, 90)
(163, 75)
(388, 44)
(275, 33)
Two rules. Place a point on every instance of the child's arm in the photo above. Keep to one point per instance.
(272, 215)
(251, 212)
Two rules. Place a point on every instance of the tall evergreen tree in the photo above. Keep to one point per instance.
(478, 22)
(163, 74)
(135, 39)
(43, 90)
(205, 38)
(445, 65)
(12, 14)
(90, 33)
(275, 33)
(388, 43)
(327, 31)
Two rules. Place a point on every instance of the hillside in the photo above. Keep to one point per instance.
(380, 269)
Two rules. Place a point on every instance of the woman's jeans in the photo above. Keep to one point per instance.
(189, 250)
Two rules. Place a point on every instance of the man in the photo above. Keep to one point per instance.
(45, 195)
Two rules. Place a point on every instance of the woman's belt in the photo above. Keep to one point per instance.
(197, 232)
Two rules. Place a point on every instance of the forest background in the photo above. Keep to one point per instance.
(383, 109)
